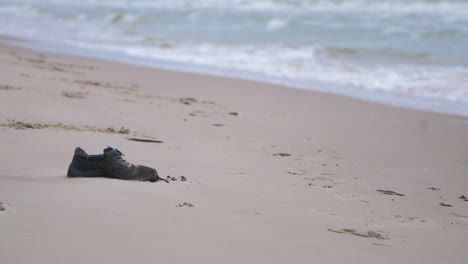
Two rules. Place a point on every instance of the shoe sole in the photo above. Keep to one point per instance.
(75, 173)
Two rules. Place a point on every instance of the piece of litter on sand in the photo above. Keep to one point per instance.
(463, 197)
(169, 178)
(433, 188)
(233, 113)
(141, 139)
(185, 205)
(2, 207)
(368, 234)
(282, 154)
(445, 204)
(218, 125)
(181, 178)
(389, 192)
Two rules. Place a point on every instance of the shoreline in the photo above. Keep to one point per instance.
(274, 175)
(404, 101)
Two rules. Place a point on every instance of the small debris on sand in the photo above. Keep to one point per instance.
(91, 83)
(144, 139)
(181, 178)
(197, 113)
(234, 113)
(169, 178)
(389, 192)
(2, 207)
(106, 85)
(445, 204)
(463, 197)
(188, 100)
(282, 154)
(74, 95)
(295, 173)
(218, 125)
(369, 234)
(18, 125)
(122, 130)
(184, 204)
(433, 188)
(9, 87)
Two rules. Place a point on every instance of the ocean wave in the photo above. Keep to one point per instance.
(310, 64)
(452, 7)
(276, 24)
(413, 47)
(381, 55)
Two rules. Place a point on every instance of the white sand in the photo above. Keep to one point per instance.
(249, 205)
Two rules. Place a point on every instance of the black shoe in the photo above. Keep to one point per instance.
(110, 164)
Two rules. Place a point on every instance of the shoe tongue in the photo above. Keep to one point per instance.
(112, 151)
(107, 149)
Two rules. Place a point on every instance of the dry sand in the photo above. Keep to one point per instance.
(363, 183)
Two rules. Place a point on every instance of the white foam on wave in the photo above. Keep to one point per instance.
(311, 64)
(448, 7)
(276, 24)
(127, 27)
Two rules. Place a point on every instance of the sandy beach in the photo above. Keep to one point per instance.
(274, 174)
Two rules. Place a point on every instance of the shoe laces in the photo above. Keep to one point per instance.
(117, 153)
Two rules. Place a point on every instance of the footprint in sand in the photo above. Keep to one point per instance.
(350, 196)
(411, 220)
(74, 95)
(248, 212)
(198, 113)
(3, 207)
(188, 100)
(9, 87)
(460, 217)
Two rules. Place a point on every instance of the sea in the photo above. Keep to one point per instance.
(406, 53)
